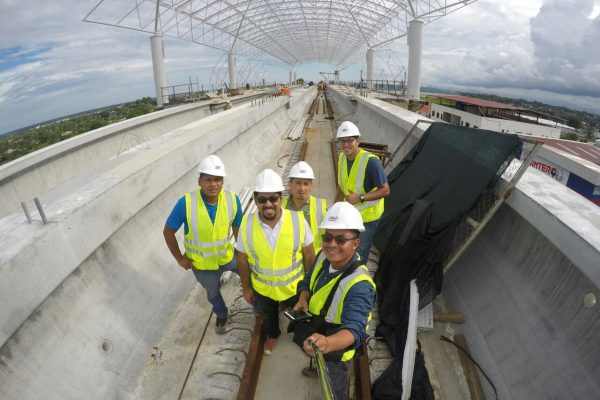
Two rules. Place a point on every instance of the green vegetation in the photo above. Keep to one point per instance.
(27, 141)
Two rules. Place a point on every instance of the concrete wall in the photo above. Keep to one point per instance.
(86, 297)
(37, 173)
(461, 118)
(526, 323)
(378, 121)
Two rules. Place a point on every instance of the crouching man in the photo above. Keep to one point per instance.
(339, 293)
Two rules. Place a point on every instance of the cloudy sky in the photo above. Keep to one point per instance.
(53, 64)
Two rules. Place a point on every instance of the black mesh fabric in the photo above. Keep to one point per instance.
(432, 190)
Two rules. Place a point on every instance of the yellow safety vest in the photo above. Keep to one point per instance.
(208, 244)
(275, 273)
(317, 210)
(318, 298)
(354, 182)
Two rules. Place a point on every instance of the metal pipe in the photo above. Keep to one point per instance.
(26, 210)
(41, 210)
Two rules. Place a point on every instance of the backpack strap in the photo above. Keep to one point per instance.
(350, 269)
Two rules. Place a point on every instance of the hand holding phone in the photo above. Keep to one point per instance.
(297, 315)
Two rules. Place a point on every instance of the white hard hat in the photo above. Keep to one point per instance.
(302, 170)
(347, 129)
(342, 215)
(268, 181)
(212, 165)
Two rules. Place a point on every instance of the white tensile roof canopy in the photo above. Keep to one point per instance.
(337, 32)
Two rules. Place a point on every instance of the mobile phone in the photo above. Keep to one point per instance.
(296, 315)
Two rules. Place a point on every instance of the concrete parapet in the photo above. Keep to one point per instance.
(87, 296)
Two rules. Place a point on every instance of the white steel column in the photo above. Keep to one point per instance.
(415, 48)
(370, 68)
(232, 72)
(158, 65)
(290, 77)
(295, 78)
(337, 77)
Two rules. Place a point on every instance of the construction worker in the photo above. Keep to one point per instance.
(361, 182)
(339, 322)
(274, 251)
(207, 215)
(301, 181)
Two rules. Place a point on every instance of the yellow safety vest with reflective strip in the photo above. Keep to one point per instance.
(208, 244)
(318, 298)
(317, 209)
(275, 273)
(354, 182)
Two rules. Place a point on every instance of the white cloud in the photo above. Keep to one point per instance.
(547, 49)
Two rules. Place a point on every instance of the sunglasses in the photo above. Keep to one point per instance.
(263, 200)
(341, 240)
(346, 141)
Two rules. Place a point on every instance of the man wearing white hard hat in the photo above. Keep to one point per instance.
(274, 251)
(339, 293)
(361, 181)
(301, 181)
(209, 215)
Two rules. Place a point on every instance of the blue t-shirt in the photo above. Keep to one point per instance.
(177, 216)
(374, 176)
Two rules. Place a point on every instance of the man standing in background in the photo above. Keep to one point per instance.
(362, 182)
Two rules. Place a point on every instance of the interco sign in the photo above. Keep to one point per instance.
(559, 174)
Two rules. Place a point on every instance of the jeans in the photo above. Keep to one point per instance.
(366, 240)
(211, 281)
(339, 372)
(269, 309)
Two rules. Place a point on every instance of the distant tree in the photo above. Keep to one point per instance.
(574, 122)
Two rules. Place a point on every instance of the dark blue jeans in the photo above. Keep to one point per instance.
(339, 372)
(211, 281)
(366, 240)
(269, 309)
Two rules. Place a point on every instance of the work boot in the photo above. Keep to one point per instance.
(220, 325)
(270, 344)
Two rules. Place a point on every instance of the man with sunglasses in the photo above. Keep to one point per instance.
(301, 181)
(362, 182)
(207, 215)
(274, 251)
(339, 293)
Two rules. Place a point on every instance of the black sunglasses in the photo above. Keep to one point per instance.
(263, 200)
(341, 240)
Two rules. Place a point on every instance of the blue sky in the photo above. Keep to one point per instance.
(52, 64)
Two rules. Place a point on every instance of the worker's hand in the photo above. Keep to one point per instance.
(321, 341)
(248, 295)
(353, 198)
(184, 262)
(301, 305)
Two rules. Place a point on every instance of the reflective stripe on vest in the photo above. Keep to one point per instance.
(275, 273)
(207, 244)
(318, 298)
(354, 181)
(317, 210)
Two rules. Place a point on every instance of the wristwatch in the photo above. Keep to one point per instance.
(362, 198)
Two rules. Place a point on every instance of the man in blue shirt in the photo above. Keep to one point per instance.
(362, 182)
(339, 293)
(208, 214)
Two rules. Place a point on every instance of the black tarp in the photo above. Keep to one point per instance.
(432, 190)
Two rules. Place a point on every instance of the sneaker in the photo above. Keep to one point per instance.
(310, 372)
(270, 344)
(220, 325)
